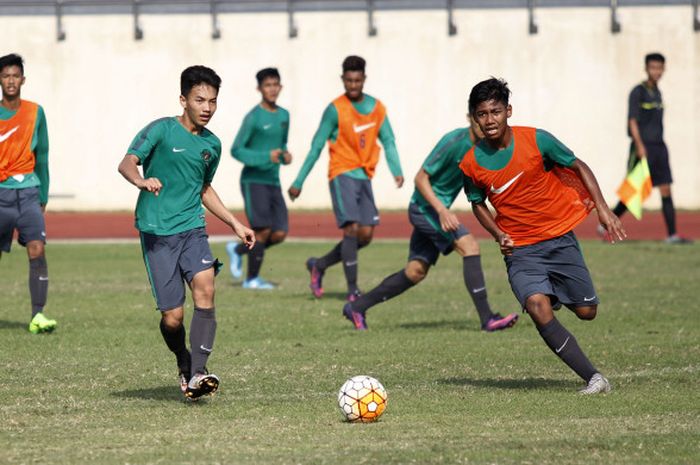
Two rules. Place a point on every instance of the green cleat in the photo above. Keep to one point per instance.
(41, 324)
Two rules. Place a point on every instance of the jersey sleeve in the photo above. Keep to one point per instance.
(553, 150)
(240, 151)
(41, 154)
(633, 104)
(474, 193)
(442, 154)
(146, 140)
(211, 169)
(386, 137)
(329, 122)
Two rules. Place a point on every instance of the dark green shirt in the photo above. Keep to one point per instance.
(552, 150)
(328, 130)
(442, 166)
(184, 163)
(261, 132)
(40, 146)
(647, 107)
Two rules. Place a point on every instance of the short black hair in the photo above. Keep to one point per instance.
(354, 63)
(490, 89)
(12, 60)
(267, 73)
(196, 75)
(656, 56)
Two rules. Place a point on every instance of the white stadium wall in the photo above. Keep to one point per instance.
(100, 86)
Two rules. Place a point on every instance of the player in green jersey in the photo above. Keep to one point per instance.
(261, 145)
(437, 230)
(179, 157)
(24, 183)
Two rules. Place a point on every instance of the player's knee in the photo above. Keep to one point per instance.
(539, 307)
(416, 271)
(467, 246)
(277, 236)
(586, 313)
(262, 235)
(35, 249)
(172, 319)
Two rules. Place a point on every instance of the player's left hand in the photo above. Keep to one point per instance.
(505, 243)
(286, 157)
(612, 225)
(245, 234)
(448, 220)
(399, 181)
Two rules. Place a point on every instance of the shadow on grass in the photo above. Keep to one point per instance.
(4, 324)
(169, 392)
(525, 383)
(441, 324)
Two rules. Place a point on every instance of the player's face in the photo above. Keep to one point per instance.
(200, 104)
(11, 81)
(475, 129)
(655, 69)
(354, 82)
(492, 118)
(270, 89)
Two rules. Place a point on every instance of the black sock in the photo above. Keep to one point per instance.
(669, 214)
(331, 258)
(175, 340)
(241, 249)
(38, 283)
(392, 286)
(202, 332)
(348, 252)
(255, 259)
(564, 345)
(476, 286)
(619, 209)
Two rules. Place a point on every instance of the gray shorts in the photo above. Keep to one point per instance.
(657, 158)
(20, 209)
(554, 267)
(171, 261)
(353, 201)
(428, 240)
(265, 206)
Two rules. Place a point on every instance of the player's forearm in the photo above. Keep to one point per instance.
(41, 169)
(130, 170)
(636, 136)
(213, 203)
(250, 157)
(590, 182)
(386, 137)
(422, 182)
(309, 162)
(486, 219)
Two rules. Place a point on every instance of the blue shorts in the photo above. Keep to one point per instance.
(554, 267)
(428, 240)
(265, 206)
(20, 209)
(353, 201)
(173, 260)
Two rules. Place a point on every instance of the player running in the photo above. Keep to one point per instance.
(351, 124)
(536, 210)
(24, 183)
(179, 157)
(261, 145)
(437, 230)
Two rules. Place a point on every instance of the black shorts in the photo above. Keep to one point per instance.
(657, 158)
(554, 267)
(20, 209)
(265, 206)
(173, 260)
(353, 201)
(428, 240)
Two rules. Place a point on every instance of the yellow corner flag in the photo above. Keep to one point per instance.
(636, 187)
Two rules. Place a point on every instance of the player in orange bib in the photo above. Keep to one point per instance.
(540, 192)
(24, 183)
(351, 124)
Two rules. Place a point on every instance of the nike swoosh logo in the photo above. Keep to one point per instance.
(178, 150)
(563, 345)
(586, 299)
(363, 127)
(43, 278)
(478, 290)
(506, 185)
(205, 349)
(351, 263)
(3, 137)
(206, 262)
(267, 126)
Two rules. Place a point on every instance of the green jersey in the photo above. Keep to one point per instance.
(442, 166)
(261, 132)
(40, 146)
(328, 130)
(184, 163)
(552, 150)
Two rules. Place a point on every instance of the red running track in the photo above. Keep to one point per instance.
(394, 225)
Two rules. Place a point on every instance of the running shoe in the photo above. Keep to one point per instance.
(357, 318)
(235, 260)
(596, 385)
(678, 240)
(258, 283)
(41, 324)
(498, 322)
(316, 284)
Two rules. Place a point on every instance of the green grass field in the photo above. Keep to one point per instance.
(102, 389)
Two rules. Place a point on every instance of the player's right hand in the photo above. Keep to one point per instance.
(151, 185)
(448, 220)
(286, 157)
(505, 243)
(641, 151)
(293, 193)
(275, 155)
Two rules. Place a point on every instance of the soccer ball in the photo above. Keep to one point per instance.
(362, 399)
